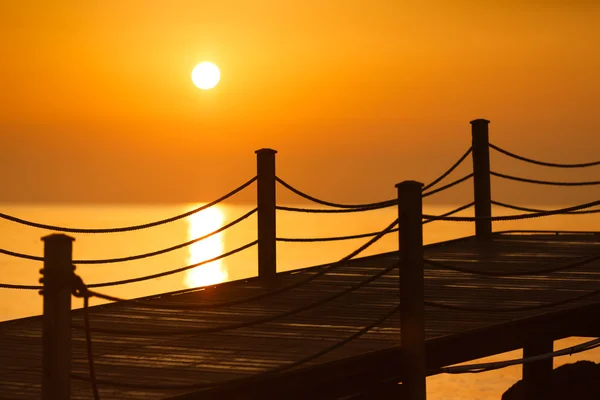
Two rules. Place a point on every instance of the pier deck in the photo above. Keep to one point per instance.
(216, 358)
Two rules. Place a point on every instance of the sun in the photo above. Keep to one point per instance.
(206, 75)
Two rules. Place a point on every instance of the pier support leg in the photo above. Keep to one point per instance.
(265, 170)
(481, 177)
(412, 308)
(537, 373)
(56, 337)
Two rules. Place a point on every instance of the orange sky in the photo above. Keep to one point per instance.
(97, 103)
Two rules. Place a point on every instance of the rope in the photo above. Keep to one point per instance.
(449, 171)
(518, 208)
(163, 251)
(364, 235)
(246, 324)
(370, 206)
(140, 279)
(21, 255)
(516, 217)
(448, 186)
(547, 164)
(308, 279)
(548, 270)
(514, 178)
(239, 381)
(449, 213)
(331, 239)
(128, 228)
(173, 271)
(511, 309)
(79, 289)
(332, 210)
(476, 368)
(24, 287)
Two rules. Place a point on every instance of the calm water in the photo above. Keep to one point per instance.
(18, 238)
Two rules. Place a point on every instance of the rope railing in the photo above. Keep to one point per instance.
(490, 366)
(538, 182)
(364, 235)
(139, 256)
(536, 210)
(168, 249)
(129, 228)
(143, 278)
(327, 210)
(323, 271)
(363, 207)
(448, 186)
(546, 164)
(516, 217)
(449, 171)
(542, 271)
(83, 292)
(245, 324)
(513, 309)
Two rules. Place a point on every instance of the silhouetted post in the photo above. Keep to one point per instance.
(537, 373)
(412, 308)
(481, 177)
(265, 169)
(57, 277)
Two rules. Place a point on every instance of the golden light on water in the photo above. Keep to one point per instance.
(201, 224)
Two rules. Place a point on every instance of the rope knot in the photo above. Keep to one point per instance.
(79, 288)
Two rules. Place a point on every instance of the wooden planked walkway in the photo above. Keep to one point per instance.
(452, 336)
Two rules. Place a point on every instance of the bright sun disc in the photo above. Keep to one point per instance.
(206, 75)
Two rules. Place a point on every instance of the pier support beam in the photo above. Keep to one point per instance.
(265, 170)
(481, 177)
(56, 337)
(537, 373)
(412, 308)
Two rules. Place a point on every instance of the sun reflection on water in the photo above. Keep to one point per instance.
(200, 224)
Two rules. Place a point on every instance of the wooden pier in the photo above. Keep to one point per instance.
(457, 301)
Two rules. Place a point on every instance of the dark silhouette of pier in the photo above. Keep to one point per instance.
(361, 327)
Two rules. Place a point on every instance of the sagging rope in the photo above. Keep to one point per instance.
(85, 293)
(513, 309)
(538, 182)
(139, 256)
(547, 270)
(363, 207)
(169, 249)
(245, 324)
(364, 235)
(326, 210)
(449, 171)
(515, 217)
(547, 164)
(143, 278)
(448, 186)
(519, 208)
(490, 366)
(323, 271)
(128, 228)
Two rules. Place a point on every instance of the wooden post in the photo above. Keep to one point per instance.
(481, 177)
(265, 169)
(537, 373)
(57, 277)
(412, 282)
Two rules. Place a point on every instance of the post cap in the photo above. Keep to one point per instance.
(409, 184)
(267, 151)
(57, 237)
(479, 121)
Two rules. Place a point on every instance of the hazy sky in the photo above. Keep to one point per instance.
(97, 103)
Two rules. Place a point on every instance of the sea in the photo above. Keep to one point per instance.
(27, 240)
